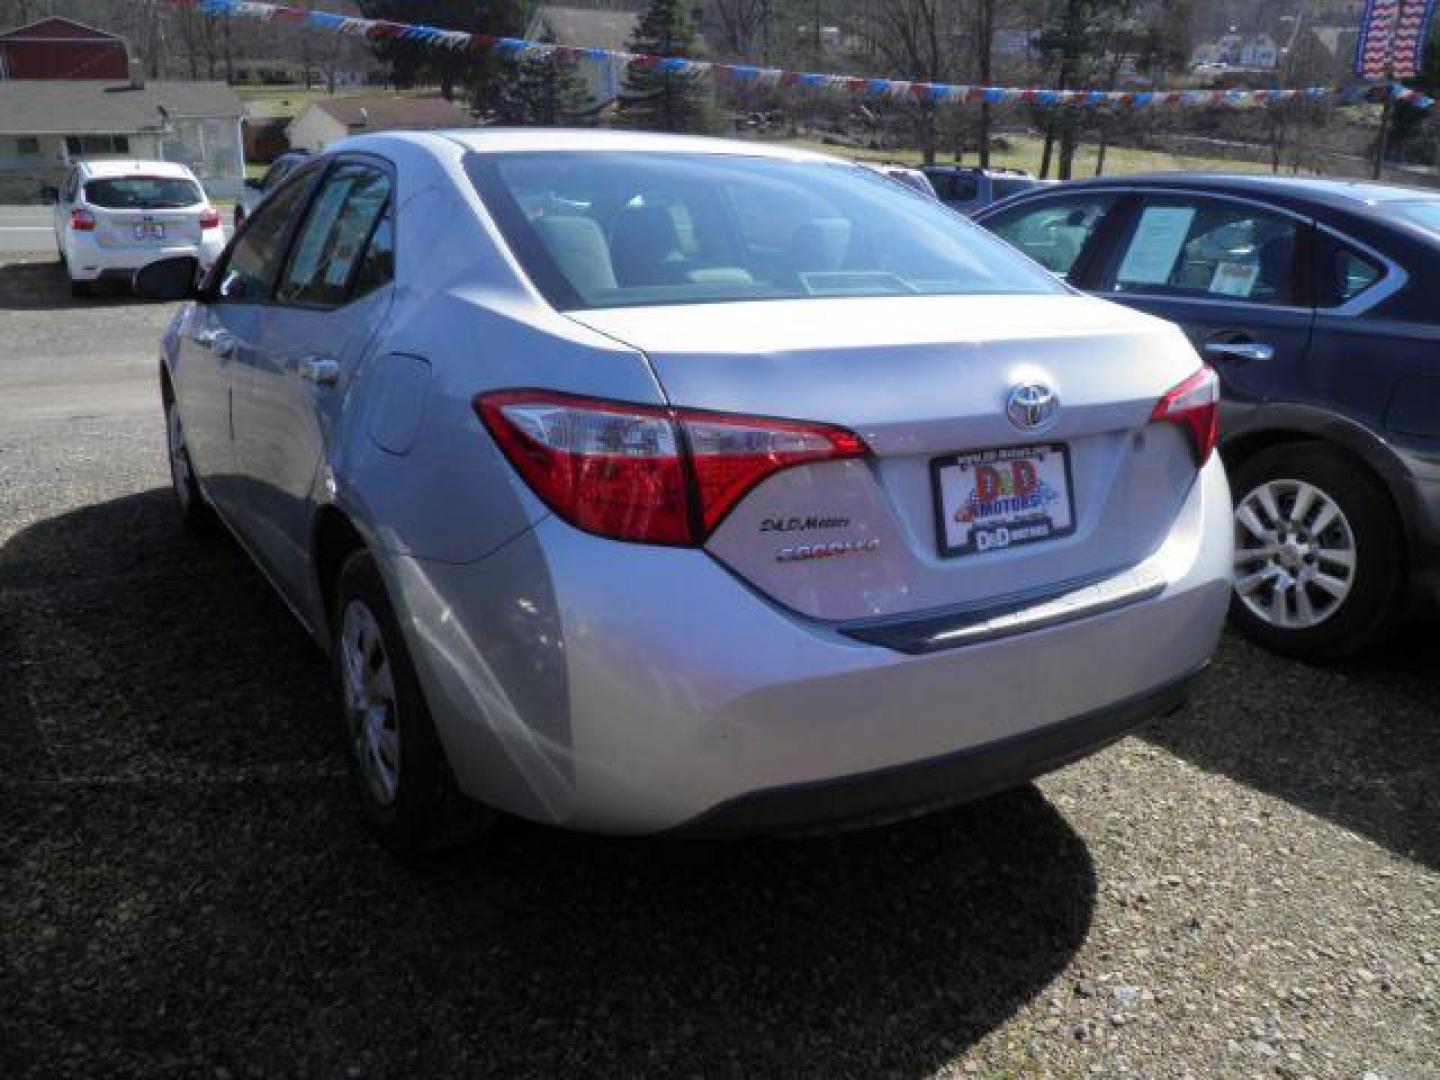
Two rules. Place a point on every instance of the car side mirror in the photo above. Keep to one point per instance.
(169, 279)
(50, 194)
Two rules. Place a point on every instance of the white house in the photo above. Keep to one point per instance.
(331, 119)
(45, 124)
(585, 28)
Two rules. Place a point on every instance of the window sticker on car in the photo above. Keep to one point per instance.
(1156, 244)
(1234, 278)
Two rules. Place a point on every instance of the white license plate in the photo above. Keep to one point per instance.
(988, 500)
(150, 230)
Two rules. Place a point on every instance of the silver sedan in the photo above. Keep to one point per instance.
(636, 483)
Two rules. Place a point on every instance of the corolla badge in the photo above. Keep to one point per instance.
(1032, 406)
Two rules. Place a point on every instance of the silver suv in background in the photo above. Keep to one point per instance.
(639, 482)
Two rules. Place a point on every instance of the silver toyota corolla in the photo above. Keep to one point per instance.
(638, 482)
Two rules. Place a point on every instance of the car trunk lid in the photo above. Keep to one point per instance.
(925, 381)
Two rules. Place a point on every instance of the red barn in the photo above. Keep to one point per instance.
(62, 49)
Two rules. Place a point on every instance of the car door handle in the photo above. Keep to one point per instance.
(1240, 350)
(217, 341)
(320, 370)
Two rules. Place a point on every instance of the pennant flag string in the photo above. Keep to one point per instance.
(514, 49)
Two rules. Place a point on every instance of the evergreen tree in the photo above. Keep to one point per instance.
(659, 100)
(546, 91)
(411, 62)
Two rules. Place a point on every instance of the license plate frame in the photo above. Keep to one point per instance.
(1053, 518)
(149, 230)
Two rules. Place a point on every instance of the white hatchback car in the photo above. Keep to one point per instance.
(113, 217)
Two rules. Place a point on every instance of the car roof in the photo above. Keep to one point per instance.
(513, 140)
(1354, 195)
(133, 167)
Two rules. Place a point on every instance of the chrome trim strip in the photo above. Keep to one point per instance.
(1119, 591)
(931, 633)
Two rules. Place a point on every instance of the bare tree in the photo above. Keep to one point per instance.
(914, 37)
(743, 25)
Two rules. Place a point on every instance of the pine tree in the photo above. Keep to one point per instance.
(659, 100)
(546, 92)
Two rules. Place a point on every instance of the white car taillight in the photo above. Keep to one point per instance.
(82, 220)
(1195, 406)
(643, 472)
(209, 219)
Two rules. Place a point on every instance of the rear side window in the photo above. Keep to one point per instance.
(333, 239)
(1054, 232)
(254, 262)
(1208, 248)
(143, 193)
(1342, 273)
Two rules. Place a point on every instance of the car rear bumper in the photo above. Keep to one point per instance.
(921, 787)
(88, 261)
(631, 689)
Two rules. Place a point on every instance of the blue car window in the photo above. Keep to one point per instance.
(1204, 248)
(1054, 232)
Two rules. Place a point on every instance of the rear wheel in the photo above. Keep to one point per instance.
(195, 512)
(404, 781)
(1317, 553)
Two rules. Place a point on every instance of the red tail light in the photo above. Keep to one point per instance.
(644, 472)
(82, 220)
(1195, 406)
(209, 219)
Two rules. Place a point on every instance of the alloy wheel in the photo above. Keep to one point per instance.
(370, 705)
(1295, 554)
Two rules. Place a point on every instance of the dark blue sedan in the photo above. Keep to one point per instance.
(1318, 302)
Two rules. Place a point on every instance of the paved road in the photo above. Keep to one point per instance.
(1251, 889)
(26, 229)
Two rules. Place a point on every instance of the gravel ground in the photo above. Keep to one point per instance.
(1251, 889)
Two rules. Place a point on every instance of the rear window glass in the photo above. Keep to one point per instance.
(598, 230)
(1004, 186)
(143, 192)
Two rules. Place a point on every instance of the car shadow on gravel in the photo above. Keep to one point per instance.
(1356, 743)
(190, 887)
(41, 285)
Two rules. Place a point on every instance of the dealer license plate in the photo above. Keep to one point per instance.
(988, 500)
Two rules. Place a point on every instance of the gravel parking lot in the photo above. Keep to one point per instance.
(1251, 888)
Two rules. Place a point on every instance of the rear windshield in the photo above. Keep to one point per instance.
(1005, 186)
(143, 193)
(1423, 212)
(601, 230)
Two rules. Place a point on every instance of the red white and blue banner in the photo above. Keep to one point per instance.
(1392, 38)
(515, 49)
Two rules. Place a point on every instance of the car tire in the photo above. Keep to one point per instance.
(195, 513)
(404, 781)
(1318, 553)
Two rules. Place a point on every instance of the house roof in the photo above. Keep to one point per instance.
(584, 27)
(57, 29)
(388, 113)
(103, 107)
